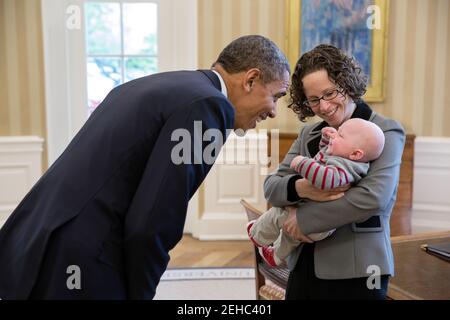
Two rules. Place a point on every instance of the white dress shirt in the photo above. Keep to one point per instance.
(222, 83)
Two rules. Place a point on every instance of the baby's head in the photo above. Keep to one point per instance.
(357, 140)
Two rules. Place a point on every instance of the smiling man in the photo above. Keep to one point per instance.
(100, 222)
(253, 84)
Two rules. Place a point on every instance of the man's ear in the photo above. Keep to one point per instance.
(356, 155)
(250, 77)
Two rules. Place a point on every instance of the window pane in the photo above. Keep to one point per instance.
(103, 75)
(140, 28)
(103, 28)
(139, 67)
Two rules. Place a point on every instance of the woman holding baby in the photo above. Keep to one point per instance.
(356, 260)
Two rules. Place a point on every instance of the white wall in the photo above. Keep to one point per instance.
(431, 195)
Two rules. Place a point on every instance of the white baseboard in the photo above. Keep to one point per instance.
(222, 226)
(431, 190)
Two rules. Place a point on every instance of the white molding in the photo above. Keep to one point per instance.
(425, 225)
(6, 208)
(222, 226)
(232, 178)
(431, 190)
(432, 153)
(20, 168)
(22, 144)
(60, 74)
(5, 140)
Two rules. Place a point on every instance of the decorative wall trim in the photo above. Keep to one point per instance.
(215, 212)
(431, 195)
(20, 168)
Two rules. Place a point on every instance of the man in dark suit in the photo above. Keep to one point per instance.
(100, 222)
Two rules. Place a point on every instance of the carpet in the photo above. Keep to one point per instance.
(207, 284)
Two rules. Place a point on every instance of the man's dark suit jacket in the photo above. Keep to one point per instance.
(113, 204)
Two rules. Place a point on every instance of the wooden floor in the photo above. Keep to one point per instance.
(191, 252)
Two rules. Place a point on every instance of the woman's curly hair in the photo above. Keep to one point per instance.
(342, 70)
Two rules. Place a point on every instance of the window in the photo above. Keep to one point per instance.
(108, 42)
(121, 45)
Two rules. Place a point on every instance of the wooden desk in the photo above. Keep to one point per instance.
(419, 275)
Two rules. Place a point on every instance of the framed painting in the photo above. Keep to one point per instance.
(358, 27)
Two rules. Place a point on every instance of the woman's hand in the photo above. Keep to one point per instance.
(306, 190)
(290, 226)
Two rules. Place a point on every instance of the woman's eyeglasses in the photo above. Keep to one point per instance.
(330, 95)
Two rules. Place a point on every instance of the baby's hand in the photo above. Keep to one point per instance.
(329, 132)
(296, 161)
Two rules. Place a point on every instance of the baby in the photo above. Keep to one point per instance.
(343, 159)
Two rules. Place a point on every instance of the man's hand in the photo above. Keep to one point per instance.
(290, 226)
(306, 190)
(296, 161)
